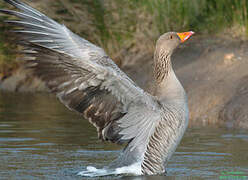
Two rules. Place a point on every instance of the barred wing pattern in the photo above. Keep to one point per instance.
(85, 79)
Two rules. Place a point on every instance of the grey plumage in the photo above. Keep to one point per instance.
(87, 81)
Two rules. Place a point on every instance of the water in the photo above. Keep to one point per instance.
(41, 139)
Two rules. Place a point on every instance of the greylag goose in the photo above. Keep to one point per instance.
(86, 80)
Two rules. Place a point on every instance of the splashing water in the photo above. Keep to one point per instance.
(134, 169)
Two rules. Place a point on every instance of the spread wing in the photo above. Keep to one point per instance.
(84, 78)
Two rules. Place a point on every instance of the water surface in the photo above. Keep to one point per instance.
(40, 138)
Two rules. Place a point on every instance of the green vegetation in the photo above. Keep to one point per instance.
(117, 25)
(200, 15)
(7, 54)
(120, 25)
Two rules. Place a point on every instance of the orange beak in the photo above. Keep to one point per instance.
(185, 35)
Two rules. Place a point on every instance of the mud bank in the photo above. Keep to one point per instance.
(213, 70)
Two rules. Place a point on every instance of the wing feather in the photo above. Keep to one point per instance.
(85, 79)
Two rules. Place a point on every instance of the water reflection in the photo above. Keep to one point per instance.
(40, 138)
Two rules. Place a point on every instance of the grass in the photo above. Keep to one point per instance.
(121, 25)
(200, 15)
(7, 58)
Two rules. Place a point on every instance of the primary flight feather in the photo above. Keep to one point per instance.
(86, 80)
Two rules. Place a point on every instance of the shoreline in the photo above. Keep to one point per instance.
(213, 71)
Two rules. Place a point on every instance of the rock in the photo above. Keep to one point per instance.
(210, 82)
(234, 114)
(22, 81)
(213, 97)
